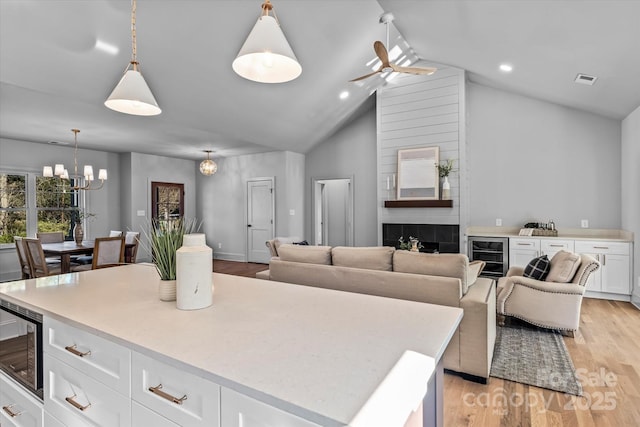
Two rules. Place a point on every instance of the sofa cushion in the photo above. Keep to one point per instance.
(371, 258)
(538, 268)
(563, 267)
(302, 253)
(447, 265)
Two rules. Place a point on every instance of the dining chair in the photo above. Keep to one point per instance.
(37, 262)
(107, 252)
(51, 236)
(22, 257)
(115, 233)
(132, 237)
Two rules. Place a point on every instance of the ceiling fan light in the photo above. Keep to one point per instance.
(133, 96)
(266, 56)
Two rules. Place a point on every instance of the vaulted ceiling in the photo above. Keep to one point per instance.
(53, 78)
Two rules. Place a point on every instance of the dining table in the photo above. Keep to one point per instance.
(65, 250)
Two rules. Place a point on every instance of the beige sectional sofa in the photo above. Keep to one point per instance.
(444, 279)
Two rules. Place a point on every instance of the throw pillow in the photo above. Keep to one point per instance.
(303, 243)
(563, 267)
(538, 268)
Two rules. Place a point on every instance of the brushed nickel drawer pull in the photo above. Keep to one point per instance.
(76, 404)
(8, 410)
(557, 246)
(167, 396)
(72, 349)
(601, 247)
(524, 244)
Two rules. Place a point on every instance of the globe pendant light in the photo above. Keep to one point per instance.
(208, 167)
(132, 94)
(266, 56)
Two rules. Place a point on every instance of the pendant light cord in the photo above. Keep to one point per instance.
(75, 154)
(268, 7)
(134, 50)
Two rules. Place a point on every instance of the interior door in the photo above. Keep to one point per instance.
(260, 214)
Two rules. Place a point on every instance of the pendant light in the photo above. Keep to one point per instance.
(208, 167)
(132, 94)
(60, 171)
(266, 56)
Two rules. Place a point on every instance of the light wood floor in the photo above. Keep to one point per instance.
(605, 351)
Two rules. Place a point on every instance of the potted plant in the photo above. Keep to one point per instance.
(163, 237)
(413, 245)
(444, 169)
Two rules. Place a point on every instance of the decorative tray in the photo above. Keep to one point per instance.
(544, 232)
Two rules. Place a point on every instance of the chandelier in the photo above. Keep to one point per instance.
(60, 171)
(208, 167)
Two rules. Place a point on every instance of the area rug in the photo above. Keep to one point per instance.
(534, 356)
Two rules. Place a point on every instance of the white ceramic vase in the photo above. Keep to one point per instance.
(167, 290)
(194, 268)
(446, 189)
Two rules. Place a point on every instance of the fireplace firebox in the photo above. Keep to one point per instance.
(435, 238)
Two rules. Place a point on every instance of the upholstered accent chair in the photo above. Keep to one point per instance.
(551, 305)
(37, 262)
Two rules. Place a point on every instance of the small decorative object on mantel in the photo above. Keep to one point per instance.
(162, 240)
(444, 169)
(413, 245)
(194, 280)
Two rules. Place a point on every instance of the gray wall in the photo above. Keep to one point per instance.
(349, 153)
(631, 189)
(222, 201)
(533, 160)
(142, 169)
(31, 157)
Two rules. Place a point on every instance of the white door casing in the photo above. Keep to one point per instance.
(260, 218)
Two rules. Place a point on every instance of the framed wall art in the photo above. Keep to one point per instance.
(418, 174)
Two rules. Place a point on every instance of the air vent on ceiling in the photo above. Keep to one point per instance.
(585, 79)
(57, 143)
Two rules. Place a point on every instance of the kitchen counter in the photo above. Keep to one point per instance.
(316, 353)
(569, 233)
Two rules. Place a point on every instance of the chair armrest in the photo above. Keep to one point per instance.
(515, 271)
(551, 287)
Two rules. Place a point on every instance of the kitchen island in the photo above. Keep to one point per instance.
(325, 357)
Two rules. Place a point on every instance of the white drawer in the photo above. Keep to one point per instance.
(524, 243)
(239, 410)
(602, 247)
(201, 407)
(552, 246)
(142, 416)
(75, 399)
(106, 361)
(18, 408)
(50, 421)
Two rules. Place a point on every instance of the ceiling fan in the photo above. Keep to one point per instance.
(383, 55)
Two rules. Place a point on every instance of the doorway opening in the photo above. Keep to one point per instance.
(332, 210)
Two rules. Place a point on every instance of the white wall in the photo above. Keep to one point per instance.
(533, 160)
(349, 153)
(630, 175)
(222, 201)
(30, 157)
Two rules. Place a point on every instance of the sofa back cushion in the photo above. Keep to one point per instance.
(304, 253)
(447, 265)
(370, 258)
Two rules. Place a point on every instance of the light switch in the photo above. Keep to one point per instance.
(141, 213)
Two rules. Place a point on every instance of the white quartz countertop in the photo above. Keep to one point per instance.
(317, 353)
(568, 233)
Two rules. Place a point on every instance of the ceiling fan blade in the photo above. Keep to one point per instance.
(365, 76)
(381, 51)
(425, 71)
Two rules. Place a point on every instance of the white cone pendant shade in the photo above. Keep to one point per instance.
(266, 56)
(133, 96)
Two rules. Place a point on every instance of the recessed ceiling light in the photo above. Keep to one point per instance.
(506, 68)
(106, 47)
(344, 95)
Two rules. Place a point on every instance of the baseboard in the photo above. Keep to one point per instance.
(609, 296)
(229, 256)
(468, 377)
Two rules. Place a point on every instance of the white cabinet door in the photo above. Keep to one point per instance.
(615, 274)
(521, 251)
(78, 400)
(50, 421)
(238, 410)
(19, 408)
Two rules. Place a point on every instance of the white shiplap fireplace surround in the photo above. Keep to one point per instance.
(420, 111)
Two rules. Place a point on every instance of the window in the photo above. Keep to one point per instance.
(167, 200)
(57, 205)
(30, 203)
(13, 206)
